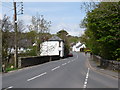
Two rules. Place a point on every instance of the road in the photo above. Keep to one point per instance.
(72, 72)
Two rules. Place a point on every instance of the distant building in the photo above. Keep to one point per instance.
(23, 46)
(53, 47)
(78, 47)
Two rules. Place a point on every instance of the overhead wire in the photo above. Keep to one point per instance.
(4, 5)
(9, 3)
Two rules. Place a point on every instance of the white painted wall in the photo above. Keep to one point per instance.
(50, 48)
(75, 49)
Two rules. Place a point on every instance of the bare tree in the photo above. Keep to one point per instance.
(88, 6)
(41, 26)
(6, 24)
(20, 26)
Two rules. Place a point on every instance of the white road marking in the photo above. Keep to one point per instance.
(75, 58)
(85, 83)
(64, 59)
(68, 61)
(37, 76)
(64, 64)
(86, 79)
(84, 86)
(8, 88)
(55, 68)
(51, 70)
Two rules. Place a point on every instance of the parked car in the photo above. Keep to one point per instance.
(70, 55)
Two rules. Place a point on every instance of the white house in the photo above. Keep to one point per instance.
(20, 50)
(53, 47)
(78, 47)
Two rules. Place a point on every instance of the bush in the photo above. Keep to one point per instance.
(118, 59)
(10, 69)
(32, 52)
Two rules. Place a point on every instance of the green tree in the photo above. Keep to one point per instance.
(103, 34)
(63, 35)
(73, 39)
(6, 27)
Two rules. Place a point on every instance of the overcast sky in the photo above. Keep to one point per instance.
(63, 15)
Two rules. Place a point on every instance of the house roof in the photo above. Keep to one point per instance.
(79, 45)
(55, 38)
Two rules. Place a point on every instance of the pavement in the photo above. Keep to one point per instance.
(95, 66)
(72, 72)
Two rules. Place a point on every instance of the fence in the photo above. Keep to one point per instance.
(110, 64)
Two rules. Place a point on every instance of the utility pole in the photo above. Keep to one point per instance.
(15, 29)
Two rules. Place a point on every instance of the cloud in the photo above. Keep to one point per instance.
(26, 18)
(72, 29)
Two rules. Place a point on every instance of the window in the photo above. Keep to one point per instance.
(59, 53)
(59, 43)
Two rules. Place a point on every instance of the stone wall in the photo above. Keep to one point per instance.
(30, 61)
(110, 64)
